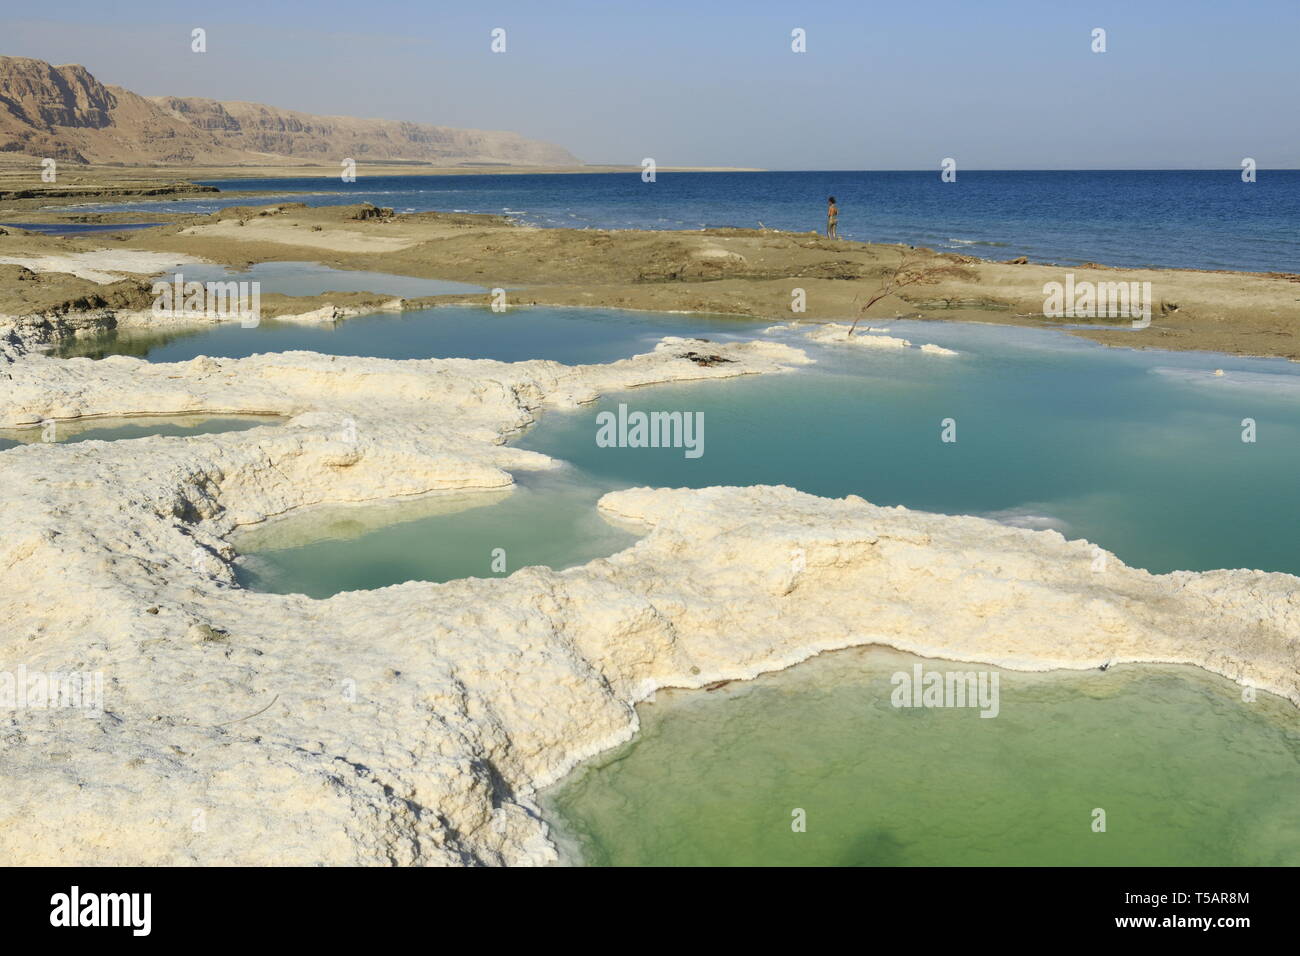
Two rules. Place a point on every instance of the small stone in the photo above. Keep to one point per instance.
(207, 633)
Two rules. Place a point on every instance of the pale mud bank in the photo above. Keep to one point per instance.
(102, 267)
(413, 725)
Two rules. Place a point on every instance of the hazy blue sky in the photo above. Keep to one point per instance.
(997, 84)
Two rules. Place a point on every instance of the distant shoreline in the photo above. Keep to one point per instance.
(27, 170)
(21, 188)
(12, 166)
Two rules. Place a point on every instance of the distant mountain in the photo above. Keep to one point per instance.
(62, 112)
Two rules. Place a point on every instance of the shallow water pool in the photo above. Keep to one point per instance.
(1140, 452)
(572, 336)
(549, 518)
(121, 429)
(1185, 771)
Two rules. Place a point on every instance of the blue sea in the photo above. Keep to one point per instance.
(1205, 219)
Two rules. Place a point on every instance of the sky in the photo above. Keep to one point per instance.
(994, 84)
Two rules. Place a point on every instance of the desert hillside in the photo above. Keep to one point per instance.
(64, 113)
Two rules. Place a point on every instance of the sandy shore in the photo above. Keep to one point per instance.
(735, 271)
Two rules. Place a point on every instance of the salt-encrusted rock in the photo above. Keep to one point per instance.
(866, 337)
(413, 724)
(835, 332)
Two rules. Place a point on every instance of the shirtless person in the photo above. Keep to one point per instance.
(832, 216)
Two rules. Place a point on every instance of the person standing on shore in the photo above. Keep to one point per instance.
(832, 217)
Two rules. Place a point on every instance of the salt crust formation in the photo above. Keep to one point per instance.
(414, 724)
(834, 333)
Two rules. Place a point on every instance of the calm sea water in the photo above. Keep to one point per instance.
(1189, 219)
(77, 228)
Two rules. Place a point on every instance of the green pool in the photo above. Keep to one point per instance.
(1185, 771)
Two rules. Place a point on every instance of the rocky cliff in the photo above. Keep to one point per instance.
(64, 113)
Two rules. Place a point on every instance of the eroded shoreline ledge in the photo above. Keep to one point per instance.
(413, 724)
(733, 271)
